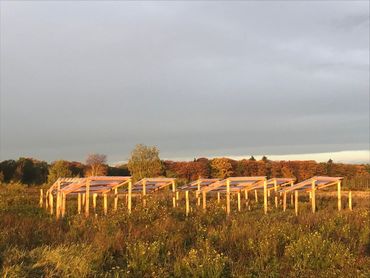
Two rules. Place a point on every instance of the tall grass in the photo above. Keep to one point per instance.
(160, 241)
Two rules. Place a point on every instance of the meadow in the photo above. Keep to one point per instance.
(160, 241)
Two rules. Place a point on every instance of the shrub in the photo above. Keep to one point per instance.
(311, 254)
(202, 262)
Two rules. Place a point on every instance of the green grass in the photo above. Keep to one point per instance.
(159, 241)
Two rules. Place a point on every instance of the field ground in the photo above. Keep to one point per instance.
(160, 241)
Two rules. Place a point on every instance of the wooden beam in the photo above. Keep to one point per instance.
(187, 202)
(265, 196)
(87, 197)
(296, 202)
(350, 200)
(227, 196)
(218, 197)
(129, 197)
(339, 195)
(313, 196)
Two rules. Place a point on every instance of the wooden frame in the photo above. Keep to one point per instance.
(312, 185)
(235, 185)
(86, 186)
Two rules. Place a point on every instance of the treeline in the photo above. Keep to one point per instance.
(31, 171)
(225, 167)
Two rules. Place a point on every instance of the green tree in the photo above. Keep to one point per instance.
(144, 162)
(59, 169)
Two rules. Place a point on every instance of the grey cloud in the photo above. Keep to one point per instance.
(197, 78)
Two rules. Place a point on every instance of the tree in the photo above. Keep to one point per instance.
(96, 165)
(24, 171)
(144, 162)
(59, 169)
(252, 158)
(221, 168)
(8, 167)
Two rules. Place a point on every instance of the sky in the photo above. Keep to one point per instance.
(285, 79)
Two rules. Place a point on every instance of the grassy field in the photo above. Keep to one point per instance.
(159, 241)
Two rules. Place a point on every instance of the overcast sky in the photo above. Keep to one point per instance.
(196, 79)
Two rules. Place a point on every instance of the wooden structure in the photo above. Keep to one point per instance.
(84, 188)
(196, 186)
(311, 186)
(235, 185)
(150, 185)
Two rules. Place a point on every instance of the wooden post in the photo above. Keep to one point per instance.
(246, 194)
(51, 202)
(227, 196)
(95, 195)
(79, 203)
(144, 192)
(83, 199)
(313, 196)
(41, 198)
(296, 202)
(218, 197)
(177, 196)
(129, 196)
(46, 200)
(256, 195)
(275, 193)
(239, 206)
(63, 204)
(265, 196)
(173, 186)
(105, 203)
(173, 191)
(204, 199)
(115, 199)
(291, 199)
(57, 210)
(339, 196)
(87, 197)
(187, 202)
(350, 200)
(198, 195)
(284, 201)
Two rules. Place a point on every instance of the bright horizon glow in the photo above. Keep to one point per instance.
(350, 157)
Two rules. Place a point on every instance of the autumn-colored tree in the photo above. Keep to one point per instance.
(59, 169)
(144, 162)
(96, 165)
(221, 168)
